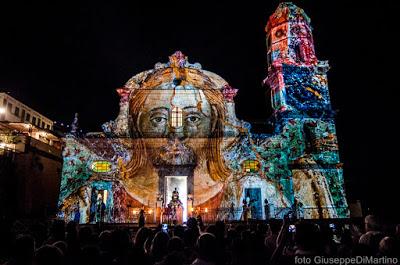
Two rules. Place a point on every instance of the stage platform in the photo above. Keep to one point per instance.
(133, 227)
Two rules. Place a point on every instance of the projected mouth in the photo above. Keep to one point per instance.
(176, 152)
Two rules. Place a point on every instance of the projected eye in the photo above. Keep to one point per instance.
(192, 119)
(158, 120)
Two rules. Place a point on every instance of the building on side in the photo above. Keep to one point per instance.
(30, 161)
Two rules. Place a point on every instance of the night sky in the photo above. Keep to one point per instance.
(65, 58)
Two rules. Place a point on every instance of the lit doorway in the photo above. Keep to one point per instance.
(97, 196)
(180, 183)
(254, 196)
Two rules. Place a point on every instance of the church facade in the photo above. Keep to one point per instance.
(177, 131)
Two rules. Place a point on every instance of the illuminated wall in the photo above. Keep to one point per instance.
(179, 120)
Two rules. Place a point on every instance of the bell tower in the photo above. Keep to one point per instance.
(297, 79)
(298, 84)
(289, 37)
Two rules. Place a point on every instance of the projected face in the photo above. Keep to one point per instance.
(181, 118)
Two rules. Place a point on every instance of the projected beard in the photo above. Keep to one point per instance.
(175, 126)
(174, 153)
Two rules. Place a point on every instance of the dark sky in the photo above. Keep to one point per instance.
(66, 58)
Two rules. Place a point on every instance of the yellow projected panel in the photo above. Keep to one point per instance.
(251, 166)
(101, 166)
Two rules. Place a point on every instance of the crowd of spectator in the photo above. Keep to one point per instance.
(273, 242)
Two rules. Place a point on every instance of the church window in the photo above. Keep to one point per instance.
(23, 115)
(308, 138)
(176, 117)
(279, 33)
(297, 51)
(251, 166)
(16, 111)
(101, 166)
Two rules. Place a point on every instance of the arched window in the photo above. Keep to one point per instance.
(308, 138)
(251, 166)
(176, 117)
(297, 51)
(101, 166)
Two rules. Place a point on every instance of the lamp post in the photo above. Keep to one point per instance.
(160, 198)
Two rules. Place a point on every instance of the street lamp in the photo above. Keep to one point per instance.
(160, 198)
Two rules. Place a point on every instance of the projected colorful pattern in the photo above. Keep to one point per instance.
(179, 120)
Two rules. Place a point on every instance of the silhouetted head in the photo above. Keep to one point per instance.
(387, 247)
(57, 230)
(85, 235)
(48, 255)
(71, 230)
(175, 244)
(23, 248)
(307, 237)
(159, 246)
(62, 246)
(105, 240)
(90, 255)
(371, 239)
(179, 231)
(212, 229)
(173, 258)
(371, 223)
(120, 241)
(192, 223)
(207, 247)
(141, 236)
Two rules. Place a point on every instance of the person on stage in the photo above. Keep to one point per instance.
(77, 214)
(246, 210)
(232, 211)
(141, 218)
(266, 209)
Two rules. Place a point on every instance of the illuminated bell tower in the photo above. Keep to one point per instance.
(296, 78)
(300, 100)
(289, 36)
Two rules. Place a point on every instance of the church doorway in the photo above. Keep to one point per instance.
(253, 199)
(179, 184)
(98, 203)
